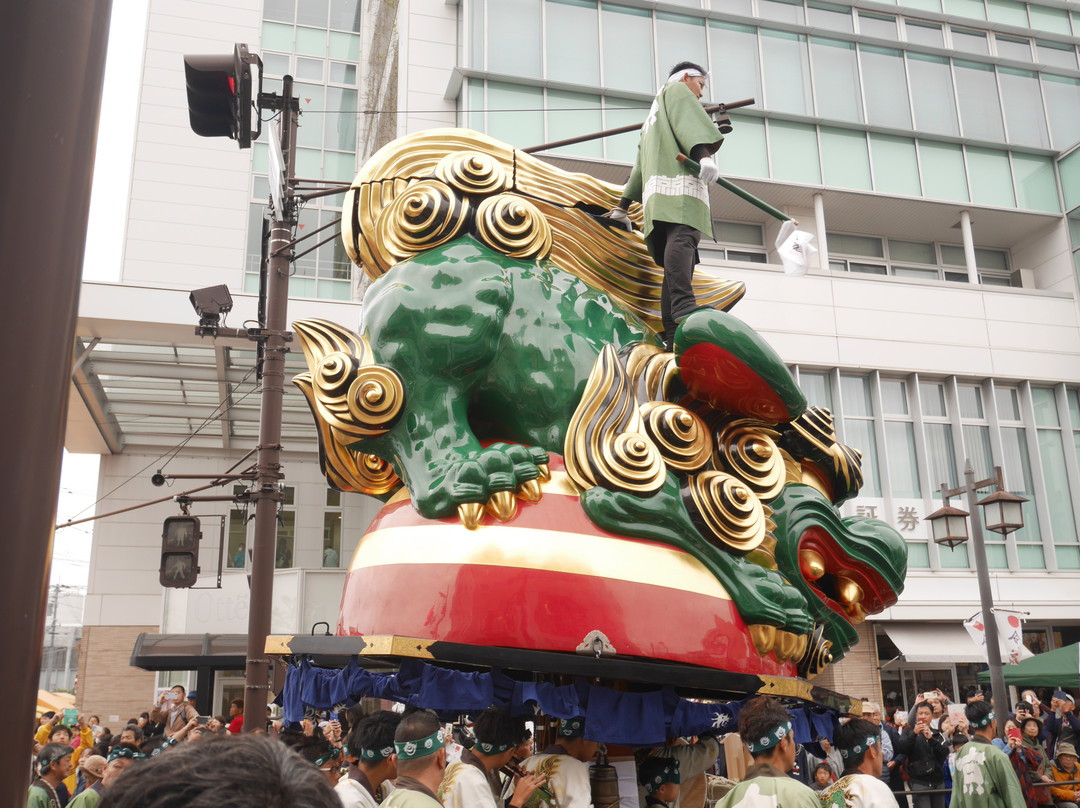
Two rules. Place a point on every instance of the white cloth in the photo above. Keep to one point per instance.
(859, 791)
(354, 795)
(794, 248)
(465, 786)
(567, 779)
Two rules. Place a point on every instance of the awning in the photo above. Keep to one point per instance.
(934, 642)
(188, 652)
(1058, 668)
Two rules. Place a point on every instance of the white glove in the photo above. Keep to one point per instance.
(708, 170)
(620, 217)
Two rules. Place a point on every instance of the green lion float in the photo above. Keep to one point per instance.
(552, 476)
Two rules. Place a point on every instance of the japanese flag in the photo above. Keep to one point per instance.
(1010, 630)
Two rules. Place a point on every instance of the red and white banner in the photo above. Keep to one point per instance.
(1010, 628)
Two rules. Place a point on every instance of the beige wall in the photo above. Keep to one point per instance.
(856, 675)
(108, 685)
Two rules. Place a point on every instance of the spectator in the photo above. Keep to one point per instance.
(1034, 757)
(317, 751)
(236, 716)
(1037, 707)
(892, 759)
(92, 768)
(219, 725)
(132, 734)
(248, 772)
(859, 742)
(765, 728)
(419, 743)
(983, 774)
(370, 746)
(53, 765)
(823, 778)
(1062, 725)
(1064, 768)
(926, 750)
(172, 710)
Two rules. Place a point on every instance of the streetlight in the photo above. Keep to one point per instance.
(1003, 513)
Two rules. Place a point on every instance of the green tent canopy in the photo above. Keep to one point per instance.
(1058, 668)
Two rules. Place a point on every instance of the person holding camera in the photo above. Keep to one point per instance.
(173, 711)
(926, 749)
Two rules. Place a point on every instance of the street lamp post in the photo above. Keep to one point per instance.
(1004, 515)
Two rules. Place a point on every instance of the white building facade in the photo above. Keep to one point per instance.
(930, 145)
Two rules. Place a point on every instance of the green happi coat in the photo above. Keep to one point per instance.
(985, 778)
(668, 191)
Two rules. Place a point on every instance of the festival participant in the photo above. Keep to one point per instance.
(694, 760)
(765, 728)
(984, 776)
(859, 742)
(563, 763)
(172, 710)
(370, 749)
(466, 782)
(52, 766)
(420, 745)
(675, 202)
(659, 778)
(926, 749)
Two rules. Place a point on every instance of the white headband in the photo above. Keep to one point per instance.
(683, 73)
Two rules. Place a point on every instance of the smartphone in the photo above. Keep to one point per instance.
(333, 716)
(1013, 733)
(202, 719)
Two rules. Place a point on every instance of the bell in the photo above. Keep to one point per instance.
(604, 781)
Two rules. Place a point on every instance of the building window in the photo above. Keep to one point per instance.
(1055, 477)
(286, 531)
(331, 545)
(739, 241)
(858, 409)
(1016, 468)
(914, 259)
(236, 553)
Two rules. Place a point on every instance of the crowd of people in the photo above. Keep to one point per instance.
(937, 752)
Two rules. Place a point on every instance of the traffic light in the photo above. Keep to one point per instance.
(180, 552)
(219, 94)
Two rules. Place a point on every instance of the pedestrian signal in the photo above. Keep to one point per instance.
(180, 538)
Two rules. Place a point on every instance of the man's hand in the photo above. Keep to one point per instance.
(525, 787)
(621, 218)
(708, 170)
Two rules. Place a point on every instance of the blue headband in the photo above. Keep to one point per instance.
(572, 727)
(984, 722)
(766, 742)
(654, 778)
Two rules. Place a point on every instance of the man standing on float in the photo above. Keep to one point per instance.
(675, 201)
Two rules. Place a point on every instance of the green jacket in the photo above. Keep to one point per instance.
(985, 778)
(768, 782)
(668, 191)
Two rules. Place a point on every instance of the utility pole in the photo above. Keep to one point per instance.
(267, 493)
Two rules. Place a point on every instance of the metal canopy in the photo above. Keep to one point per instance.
(179, 652)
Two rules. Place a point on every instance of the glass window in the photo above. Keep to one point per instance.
(344, 46)
(859, 434)
(787, 72)
(628, 50)
(980, 109)
(1013, 48)
(573, 53)
(894, 397)
(582, 115)
(966, 8)
(1023, 107)
(739, 233)
(277, 37)
(1063, 106)
(1058, 497)
(678, 39)
(970, 402)
(977, 446)
(1058, 54)
(878, 25)
(312, 12)
(1045, 404)
(932, 89)
(794, 152)
(745, 155)
(829, 15)
(1016, 469)
(737, 47)
(286, 533)
(924, 33)
(1010, 12)
(855, 245)
(514, 113)
(236, 549)
(331, 548)
(740, 7)
(951, 255)
(517, 55)
(991, 179)
(836, 80)
(896, 169)
(912, 252)
(932, 397)
(312, 97)
(903, 466)
(624, 147)
(943, 171)
(280, 10)
(924, 5)
(939, 445)
(275, 64)
(783, 10)
(970, 41)
(311, 41)
(1036, 185)
(340, 122)
(1008, 405)
(817, 389)
(855, 393)
(845, 158)
(341, 73)
(1044, 18)
(345, 14)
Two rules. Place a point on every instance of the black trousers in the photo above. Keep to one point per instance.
(674, 247)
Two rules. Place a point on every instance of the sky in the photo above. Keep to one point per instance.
(104, 245)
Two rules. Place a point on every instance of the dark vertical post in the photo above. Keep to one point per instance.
(52, 63)
(267, 494)
(998, 693)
